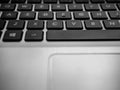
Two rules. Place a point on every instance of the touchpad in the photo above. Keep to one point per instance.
(84, 72)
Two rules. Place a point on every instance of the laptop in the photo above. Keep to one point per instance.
(59, 44)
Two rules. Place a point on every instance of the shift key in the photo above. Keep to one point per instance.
(83, 35)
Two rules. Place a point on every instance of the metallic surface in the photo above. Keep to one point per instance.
(29, 68)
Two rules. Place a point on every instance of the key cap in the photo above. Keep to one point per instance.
(2, 24)
(27, 15)
(108, 7)
(100, 15)
(34, 1)
(93, 25)
(16, 25)
(97, 1)
(34, 35)
(45, 15)
(12, 36)
(66, 1)
(9, 15)
(112, 24)
(74, 25)
(4, 1)
(35, 25)
(42, 7)
(81, 15)
(114, 14)
(58, 7)
(75, 7)
(50, 1)
(18, 1)
(63, 15)
(91, 7)
(25, 7)
(7, 7)
(55, 24)
(82, 1)
(83, 35)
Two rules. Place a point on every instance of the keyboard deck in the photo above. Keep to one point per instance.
(59, 20)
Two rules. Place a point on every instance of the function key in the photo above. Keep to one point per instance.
(93, 24)
(114, 14)
(112, 24)
(45, 15)
(16, 25)
(58, 7)
(81, 15)
(50, 1)
(82, 1)
(42, 7)
(74, 25)
(34, 35)
(9, 15)
(66, 1)
(2, 24)
(12, 36)
(27, 15)
(4, 1)
(25, 7)
(55, 25)
(63, 15)
(99, 15)
(18, 1)
(75, 7)
(35, 25)
(34, 1)
(7, 7)
(97, 1)
(92, 7)
(108, 7)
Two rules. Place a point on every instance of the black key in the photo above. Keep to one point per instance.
(12, 36)
(91, 7)
(93, 25)
(112, 24)
(34, 1)
(16, 25)
(108, 7)
(4, 1)
(82, 1)
(99, 15)
(35, 25)
(50, 1)
(63, 15)
(113, 1)
(74, 25)
(57, 25)
(45, 15)
(66, 1)
(7, 7)
(42, 7)
(18, 1)
(75, 7)
(27, 15)
(97, 1)
(25, 7)
(81, 15)
(83, 35)
(58, 7)
(9, 15)
(114, 14)
(34, 35)
(2, 24)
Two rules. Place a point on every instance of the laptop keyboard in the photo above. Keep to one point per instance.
(59, 20)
